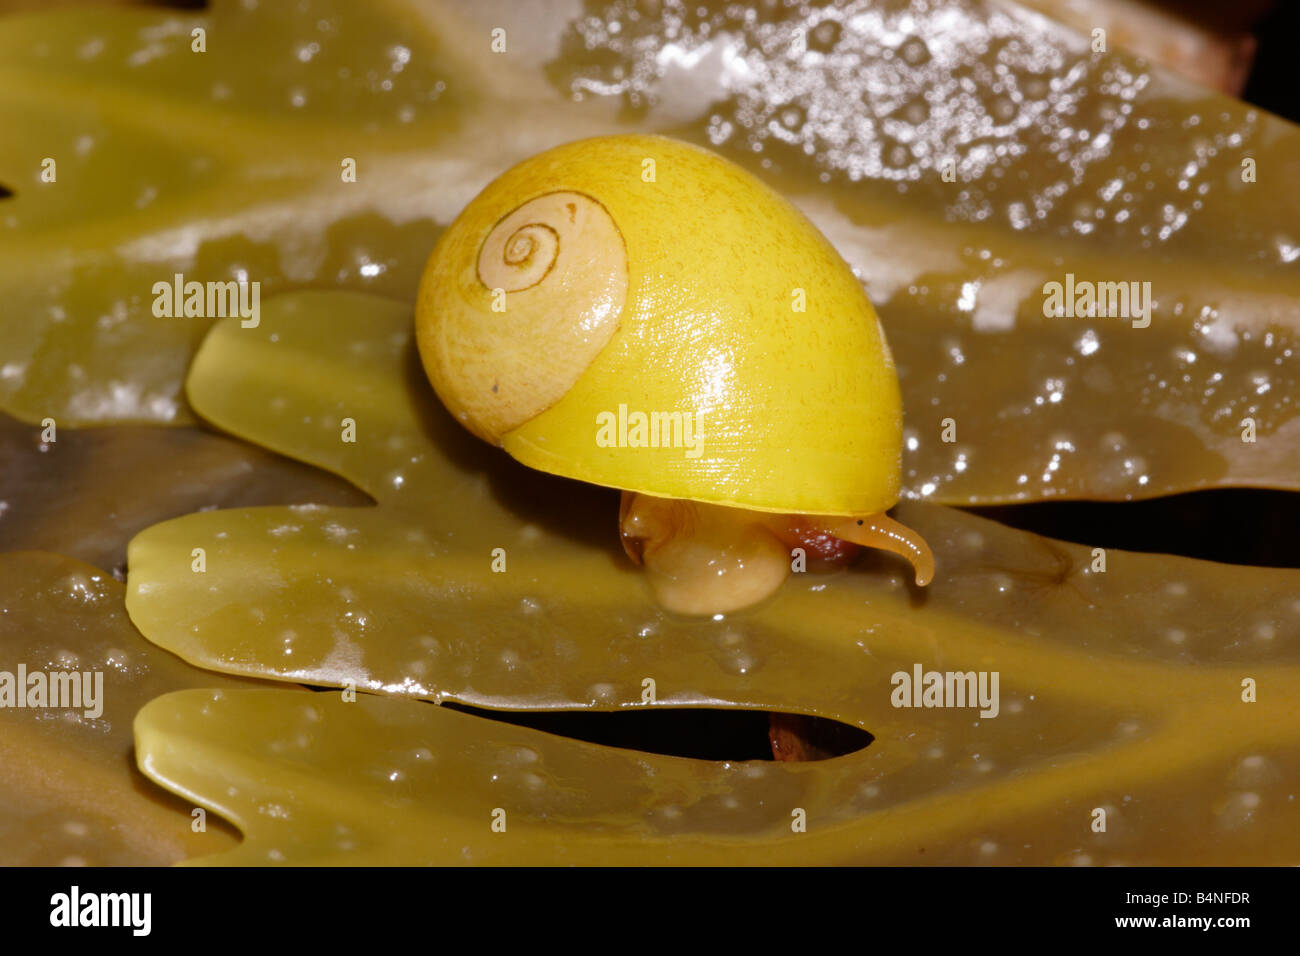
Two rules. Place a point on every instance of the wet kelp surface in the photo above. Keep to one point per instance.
(1121, 689)
(1113, 683)
(86, 492)
(227, 164)
(71, 793)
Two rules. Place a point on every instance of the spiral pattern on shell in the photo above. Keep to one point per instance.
(520, 260)
(547, 288)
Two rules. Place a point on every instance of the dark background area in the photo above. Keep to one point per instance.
(1273, 82)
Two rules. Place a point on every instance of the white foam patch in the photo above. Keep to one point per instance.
(885, 258)
(1000, 298)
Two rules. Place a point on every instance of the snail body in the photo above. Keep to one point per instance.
(684, 335)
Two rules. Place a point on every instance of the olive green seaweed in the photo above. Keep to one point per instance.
(961, 157)
(1117, 687)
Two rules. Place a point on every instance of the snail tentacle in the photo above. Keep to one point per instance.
(883, 532)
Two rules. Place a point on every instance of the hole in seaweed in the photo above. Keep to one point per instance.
(5, 192)
(1229, 525)
(696, 733)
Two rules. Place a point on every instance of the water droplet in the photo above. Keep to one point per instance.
(1238, 810)
(914, 51)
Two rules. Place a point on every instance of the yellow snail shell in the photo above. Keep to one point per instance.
(575, 294)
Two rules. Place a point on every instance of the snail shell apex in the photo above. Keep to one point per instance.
(666, 296)
(558, 265)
